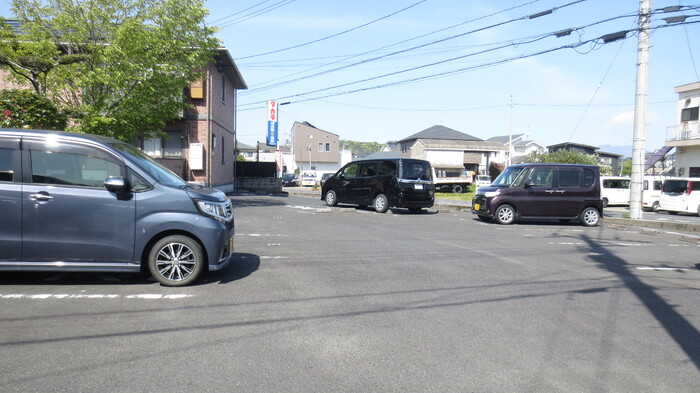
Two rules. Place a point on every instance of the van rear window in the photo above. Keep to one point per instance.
(675, 186)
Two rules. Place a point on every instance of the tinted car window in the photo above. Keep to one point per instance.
(6, 168)
(542, 177)
(569, 177)
(588, 177)
(675, 186)
(417, 170)
(507, 177)
(72, 169)
(350, 171)
(369, 169)
(387, 168)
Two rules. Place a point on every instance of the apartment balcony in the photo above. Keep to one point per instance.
(686, 134)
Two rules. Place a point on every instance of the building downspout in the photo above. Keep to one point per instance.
(209, 138)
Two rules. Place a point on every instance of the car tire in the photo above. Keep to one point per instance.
(176, 261)
(655, 206)
(590, 217)
(381, 204)
(605, 202)
(505, 215)
(331, 198)
(458, 189)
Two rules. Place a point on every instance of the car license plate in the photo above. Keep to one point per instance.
(418, 186)
(476, 206)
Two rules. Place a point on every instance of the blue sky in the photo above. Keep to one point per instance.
(394, 68)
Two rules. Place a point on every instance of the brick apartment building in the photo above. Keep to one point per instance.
(200, 146)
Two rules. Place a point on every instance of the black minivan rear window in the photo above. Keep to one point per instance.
(416, 170)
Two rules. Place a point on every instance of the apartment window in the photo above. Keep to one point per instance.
(223, 88)
(320, 147)
(172, 145)
(153, 147)
(328, 147)
(223, 150)
(694, 171)
(689, 114)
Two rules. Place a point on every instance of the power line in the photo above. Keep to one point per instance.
(525, 17)
(336, 34)
(255, 14)
(598, 40)
(239, 12)
(348, 57)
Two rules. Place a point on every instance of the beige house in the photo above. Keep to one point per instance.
(451, 151)
(314, 149)
(685, 136)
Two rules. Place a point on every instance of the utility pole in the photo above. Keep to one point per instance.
(510, 132)
(640, 111)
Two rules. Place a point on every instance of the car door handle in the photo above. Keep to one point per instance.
(560, 191)
(41, 196)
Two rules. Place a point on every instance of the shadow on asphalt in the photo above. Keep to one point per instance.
(241, 266)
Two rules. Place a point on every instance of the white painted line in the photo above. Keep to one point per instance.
(46, 296)
(676, 269)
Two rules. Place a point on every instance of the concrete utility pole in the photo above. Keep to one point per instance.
(510, 132)
(640, 111)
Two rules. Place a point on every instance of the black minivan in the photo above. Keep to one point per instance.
(384, 183)
(559, 191)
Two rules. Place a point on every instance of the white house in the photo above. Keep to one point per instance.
(685, 136)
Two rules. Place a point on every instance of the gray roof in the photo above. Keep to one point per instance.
(467, 145)
(442, 133)
(504, 138)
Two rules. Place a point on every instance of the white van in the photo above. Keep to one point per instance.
(681, 195)
(651, 192)
(615, 190)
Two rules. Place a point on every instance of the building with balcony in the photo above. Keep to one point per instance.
(685, 136)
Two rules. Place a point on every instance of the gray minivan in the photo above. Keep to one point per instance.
(558, 191)
(78, 202)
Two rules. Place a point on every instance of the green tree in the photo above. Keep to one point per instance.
(360, 148)
(567, 156)
(627, 168)
(119, 67)
(26, 109)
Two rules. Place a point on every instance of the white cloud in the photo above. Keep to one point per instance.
(623, 118)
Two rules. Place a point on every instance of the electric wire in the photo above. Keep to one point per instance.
(478, 30)
(254, 14)
(348, 57)
(336, 34)
(301, 96)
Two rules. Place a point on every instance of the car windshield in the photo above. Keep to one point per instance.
(507, 177)
(162, 174)
(417, 170)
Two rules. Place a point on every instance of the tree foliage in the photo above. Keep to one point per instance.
(119, 67)
(360, 148)
(567, 156)
(26, 109)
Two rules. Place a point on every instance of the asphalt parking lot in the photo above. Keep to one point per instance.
(348, 300)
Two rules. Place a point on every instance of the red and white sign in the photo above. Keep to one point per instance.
(272, 111)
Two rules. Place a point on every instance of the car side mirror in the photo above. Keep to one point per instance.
(116, 184)
(529, 184)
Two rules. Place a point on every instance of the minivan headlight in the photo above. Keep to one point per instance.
(491, 194)
(221, 211)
